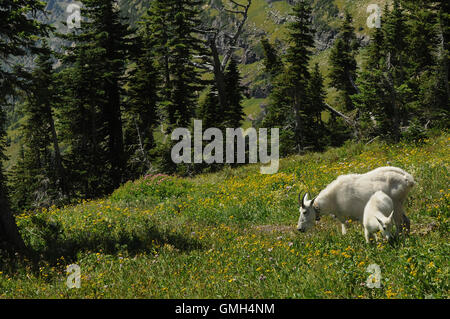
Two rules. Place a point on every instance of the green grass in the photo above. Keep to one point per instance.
(232, 234)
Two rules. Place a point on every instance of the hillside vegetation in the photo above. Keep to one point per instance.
(268, 18)
(232, 234)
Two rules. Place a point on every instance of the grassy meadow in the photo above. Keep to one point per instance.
(232, 234)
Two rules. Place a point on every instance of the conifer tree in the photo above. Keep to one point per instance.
(210, 111)
(41, 158)
(293, 87)
(317, 133)
(234, 93)
(272, 62)
(104, 40)
(18, 31)
(173, 25)
(426, 70)
(83, 124)
(395, 34)
(141, 116)
(156, 24)
(343, 62)
(185, 78)
(290, 101)
(279, 113)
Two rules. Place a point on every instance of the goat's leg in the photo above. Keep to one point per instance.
(398, 219)
(367, 236)
(402, 222)
(376, 237)
(406, 224)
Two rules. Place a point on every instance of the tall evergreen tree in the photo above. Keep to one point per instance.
(426, 69)
(290, 107)
(395, 34)
(174, 28)
(18, 31)
(41, 159)
(141, 116)
(209, 110)
(83, 125)
(156, 24)
(317, 132)
(234, 93)
(343, 62)
(104, 41)
(185, 78)
(301, 39)
(272, 62)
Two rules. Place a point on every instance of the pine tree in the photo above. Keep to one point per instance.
(317, 133)
(301, 39)
(375, 54)
(343, 62)
(278, 113)
(41, 158)
(185, 78)
(209, 110)
(156, 24)
(141, 115)
(385, 96)
(272, 62)
(426, 70)
(83, 125)
(290, 101)
(234, 92)
(18, 31)
(102, 50)
(395, 34)
(173, 25)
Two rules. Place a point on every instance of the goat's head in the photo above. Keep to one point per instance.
(386, 225)
(308, 213)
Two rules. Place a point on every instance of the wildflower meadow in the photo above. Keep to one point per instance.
(232, 234)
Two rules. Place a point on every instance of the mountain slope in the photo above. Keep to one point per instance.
(267, 18)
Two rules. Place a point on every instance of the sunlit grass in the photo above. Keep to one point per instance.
(231, 234)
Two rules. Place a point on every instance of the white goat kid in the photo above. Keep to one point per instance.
(378, 216)
(347, 196)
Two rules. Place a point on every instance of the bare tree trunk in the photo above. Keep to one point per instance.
(141, 146)
(8, 228)
(218, 74)
(353, 124)
(219, 66)
(394, 101)
(444, 55)
(298, 126)
(58, 158)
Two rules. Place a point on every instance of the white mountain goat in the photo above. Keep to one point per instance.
(347, 196)
(378, 216)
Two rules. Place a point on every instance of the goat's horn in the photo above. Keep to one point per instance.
(300, 202)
